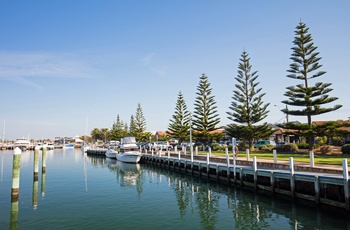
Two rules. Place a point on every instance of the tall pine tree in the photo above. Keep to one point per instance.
(205, 116)
(305, 67)
(180, 123)
(139, 122)
(247, 107)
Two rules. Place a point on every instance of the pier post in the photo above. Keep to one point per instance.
(43, 172)
(228, 165)
(234, 166)
(255, 168)
(152, 152)
(208, 161)
(272, 181)
(168, 154)
(179, 155)
(312, 162)
(317, 189)
(346, 183)
(247, 154)
(209, 151)
(274, 156)
(196, 150)
(14, 214)
(175, 149)
(16, 168)
(292, 182)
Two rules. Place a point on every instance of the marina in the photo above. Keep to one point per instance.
(94, 192)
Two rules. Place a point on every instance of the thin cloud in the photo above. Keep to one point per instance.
(149, 62)
(21, 67)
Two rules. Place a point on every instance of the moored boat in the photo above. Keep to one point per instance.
(129, 152)
(22, 143)
(111, 153)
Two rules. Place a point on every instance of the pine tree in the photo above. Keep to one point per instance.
(179, 124)
(139, 122)
(132, 127)
(247, 107)
(205, 117)
(305, 67)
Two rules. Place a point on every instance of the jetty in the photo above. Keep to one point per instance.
(325, 185)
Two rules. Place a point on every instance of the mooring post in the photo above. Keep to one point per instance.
(292, 182)
(209, 151)
(35, 194)
(16, 168)
(346, 183)
(234, 166)
(228, 165)
(196, 150)
(168, 154)
(255, 168)
(208, 157)
(14, 214)
(175, 149)
(43, 156)
(272, 181)
(274, 156)
(179, 155)
(247, 154)
(36, 165)
(312, 162)
(191, 156)
(317, 189)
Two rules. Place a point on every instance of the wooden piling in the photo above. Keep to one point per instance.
(16, 168)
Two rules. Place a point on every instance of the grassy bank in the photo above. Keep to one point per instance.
(334, 159)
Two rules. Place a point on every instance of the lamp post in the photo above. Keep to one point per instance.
(191, 150)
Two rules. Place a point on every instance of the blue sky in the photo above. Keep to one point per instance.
(65, 62)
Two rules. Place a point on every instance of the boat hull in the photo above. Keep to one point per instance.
(111, 154)
(129, 157)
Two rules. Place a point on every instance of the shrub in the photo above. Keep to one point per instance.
(303, 145)
(345, 149)
(215, 146)
(242, 146)
(288, 148)
(267, 148)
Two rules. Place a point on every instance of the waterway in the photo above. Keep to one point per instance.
(84, 192)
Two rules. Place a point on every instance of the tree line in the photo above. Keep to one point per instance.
(247, 110)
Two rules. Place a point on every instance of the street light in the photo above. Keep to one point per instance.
(191, 150)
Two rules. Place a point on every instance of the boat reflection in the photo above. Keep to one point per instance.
(128, 175)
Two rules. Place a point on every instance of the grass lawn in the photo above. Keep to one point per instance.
(334, 159)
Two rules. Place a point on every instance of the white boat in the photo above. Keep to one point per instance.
(111, 153)
(68, 146)
(50, 146)
(129, 152)
(22, 143)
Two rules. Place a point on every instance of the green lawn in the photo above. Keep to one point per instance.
(335, 159)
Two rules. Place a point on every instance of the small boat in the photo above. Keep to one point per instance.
(68, 146)
(22, 143)
(129, 151)
(50, 146)
(111, 153)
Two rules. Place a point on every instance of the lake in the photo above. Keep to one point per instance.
(85, 192)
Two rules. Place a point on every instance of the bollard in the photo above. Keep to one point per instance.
(274, 156)
(175, 149)
(346, 182)
(36, 164)
(292, 182)
(168, 154)
(227, 157)
(43, 155)
(255, 168)
(179, 155)
(247, 154)
(16, 168)
(312, 162)
(209, 151)
(196, 149)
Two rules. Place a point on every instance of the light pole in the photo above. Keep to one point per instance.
(191, 150)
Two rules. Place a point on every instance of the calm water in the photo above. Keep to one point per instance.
(83, 192)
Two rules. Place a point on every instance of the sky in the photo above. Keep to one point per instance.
(67, 67)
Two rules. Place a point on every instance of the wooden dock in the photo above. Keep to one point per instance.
(326, 186)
